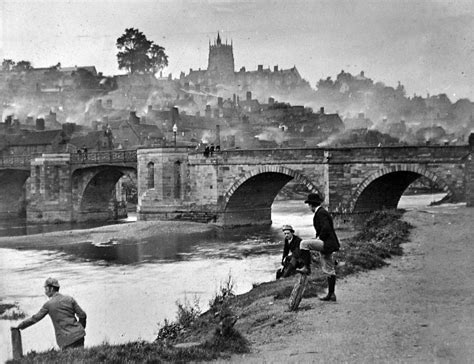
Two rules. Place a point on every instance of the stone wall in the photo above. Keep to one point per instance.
(50, 198)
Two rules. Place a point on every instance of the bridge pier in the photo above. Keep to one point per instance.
(49, 192)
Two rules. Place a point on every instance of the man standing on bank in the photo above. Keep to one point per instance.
(326, 243)
(62, 309)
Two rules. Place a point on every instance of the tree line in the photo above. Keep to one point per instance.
(137, 54)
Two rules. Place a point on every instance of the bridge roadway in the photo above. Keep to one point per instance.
(232, 187)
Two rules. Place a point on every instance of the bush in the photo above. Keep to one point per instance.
(186, 316)
(380, 236)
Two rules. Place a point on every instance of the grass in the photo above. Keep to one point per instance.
(211, 335)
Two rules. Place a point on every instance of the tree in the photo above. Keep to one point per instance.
(23, 66)
(84, 79)
(7, 65)
(137, 54)
(158, 58)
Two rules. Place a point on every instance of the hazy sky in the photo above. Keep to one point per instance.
(426, 45)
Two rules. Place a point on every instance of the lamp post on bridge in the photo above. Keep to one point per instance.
(175, 131)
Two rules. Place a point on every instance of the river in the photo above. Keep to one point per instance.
(128, 290)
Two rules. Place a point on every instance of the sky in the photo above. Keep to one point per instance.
(427, 45)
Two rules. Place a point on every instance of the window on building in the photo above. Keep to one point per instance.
(177, 179)
(150, 180)
(37, 179)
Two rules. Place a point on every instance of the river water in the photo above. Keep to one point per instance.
(128, 290)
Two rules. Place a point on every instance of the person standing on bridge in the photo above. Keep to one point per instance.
(326, 243)
(69, 329)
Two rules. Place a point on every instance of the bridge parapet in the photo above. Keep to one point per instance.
(110, 156)
(262, 156)
(16, 161)
(405, 154)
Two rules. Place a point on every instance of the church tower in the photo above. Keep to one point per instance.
(221, 61)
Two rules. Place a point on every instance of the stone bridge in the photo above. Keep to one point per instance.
(238, 187)
(233, 187)
(63, 187)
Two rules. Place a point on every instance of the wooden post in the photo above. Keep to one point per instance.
(297, 293)
(17, 347)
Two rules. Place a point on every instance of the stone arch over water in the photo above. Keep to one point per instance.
(384, 188)
(13, 192)
(94, 188)
(250, 198)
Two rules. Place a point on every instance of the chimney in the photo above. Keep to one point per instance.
(321, 110)
(133, 118)
(52, 117)
(218, 135)
(260, 67)
(40, 124)
(29, 120)
(8, 121)
(249, 95)
(219, 101)
(174, 115)
(275, 68)
(271, 100)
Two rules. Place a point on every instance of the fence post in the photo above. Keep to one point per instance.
(17, 347)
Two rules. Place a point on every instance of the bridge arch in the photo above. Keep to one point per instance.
(384, 188)
(13, 196)
(94, 190)
(250, 198)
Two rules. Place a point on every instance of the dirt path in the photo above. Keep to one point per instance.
(420, 309)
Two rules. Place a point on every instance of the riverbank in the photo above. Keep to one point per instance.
(419, 309)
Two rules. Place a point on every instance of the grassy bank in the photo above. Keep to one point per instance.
(221, 331)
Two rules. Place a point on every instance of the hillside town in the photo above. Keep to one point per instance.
(72, 109)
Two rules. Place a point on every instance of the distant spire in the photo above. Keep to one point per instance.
(218, 39)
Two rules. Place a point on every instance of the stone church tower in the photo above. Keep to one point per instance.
(221, 61)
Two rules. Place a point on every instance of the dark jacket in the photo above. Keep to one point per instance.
(293, 247)
(63, 311)
(324, 226)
